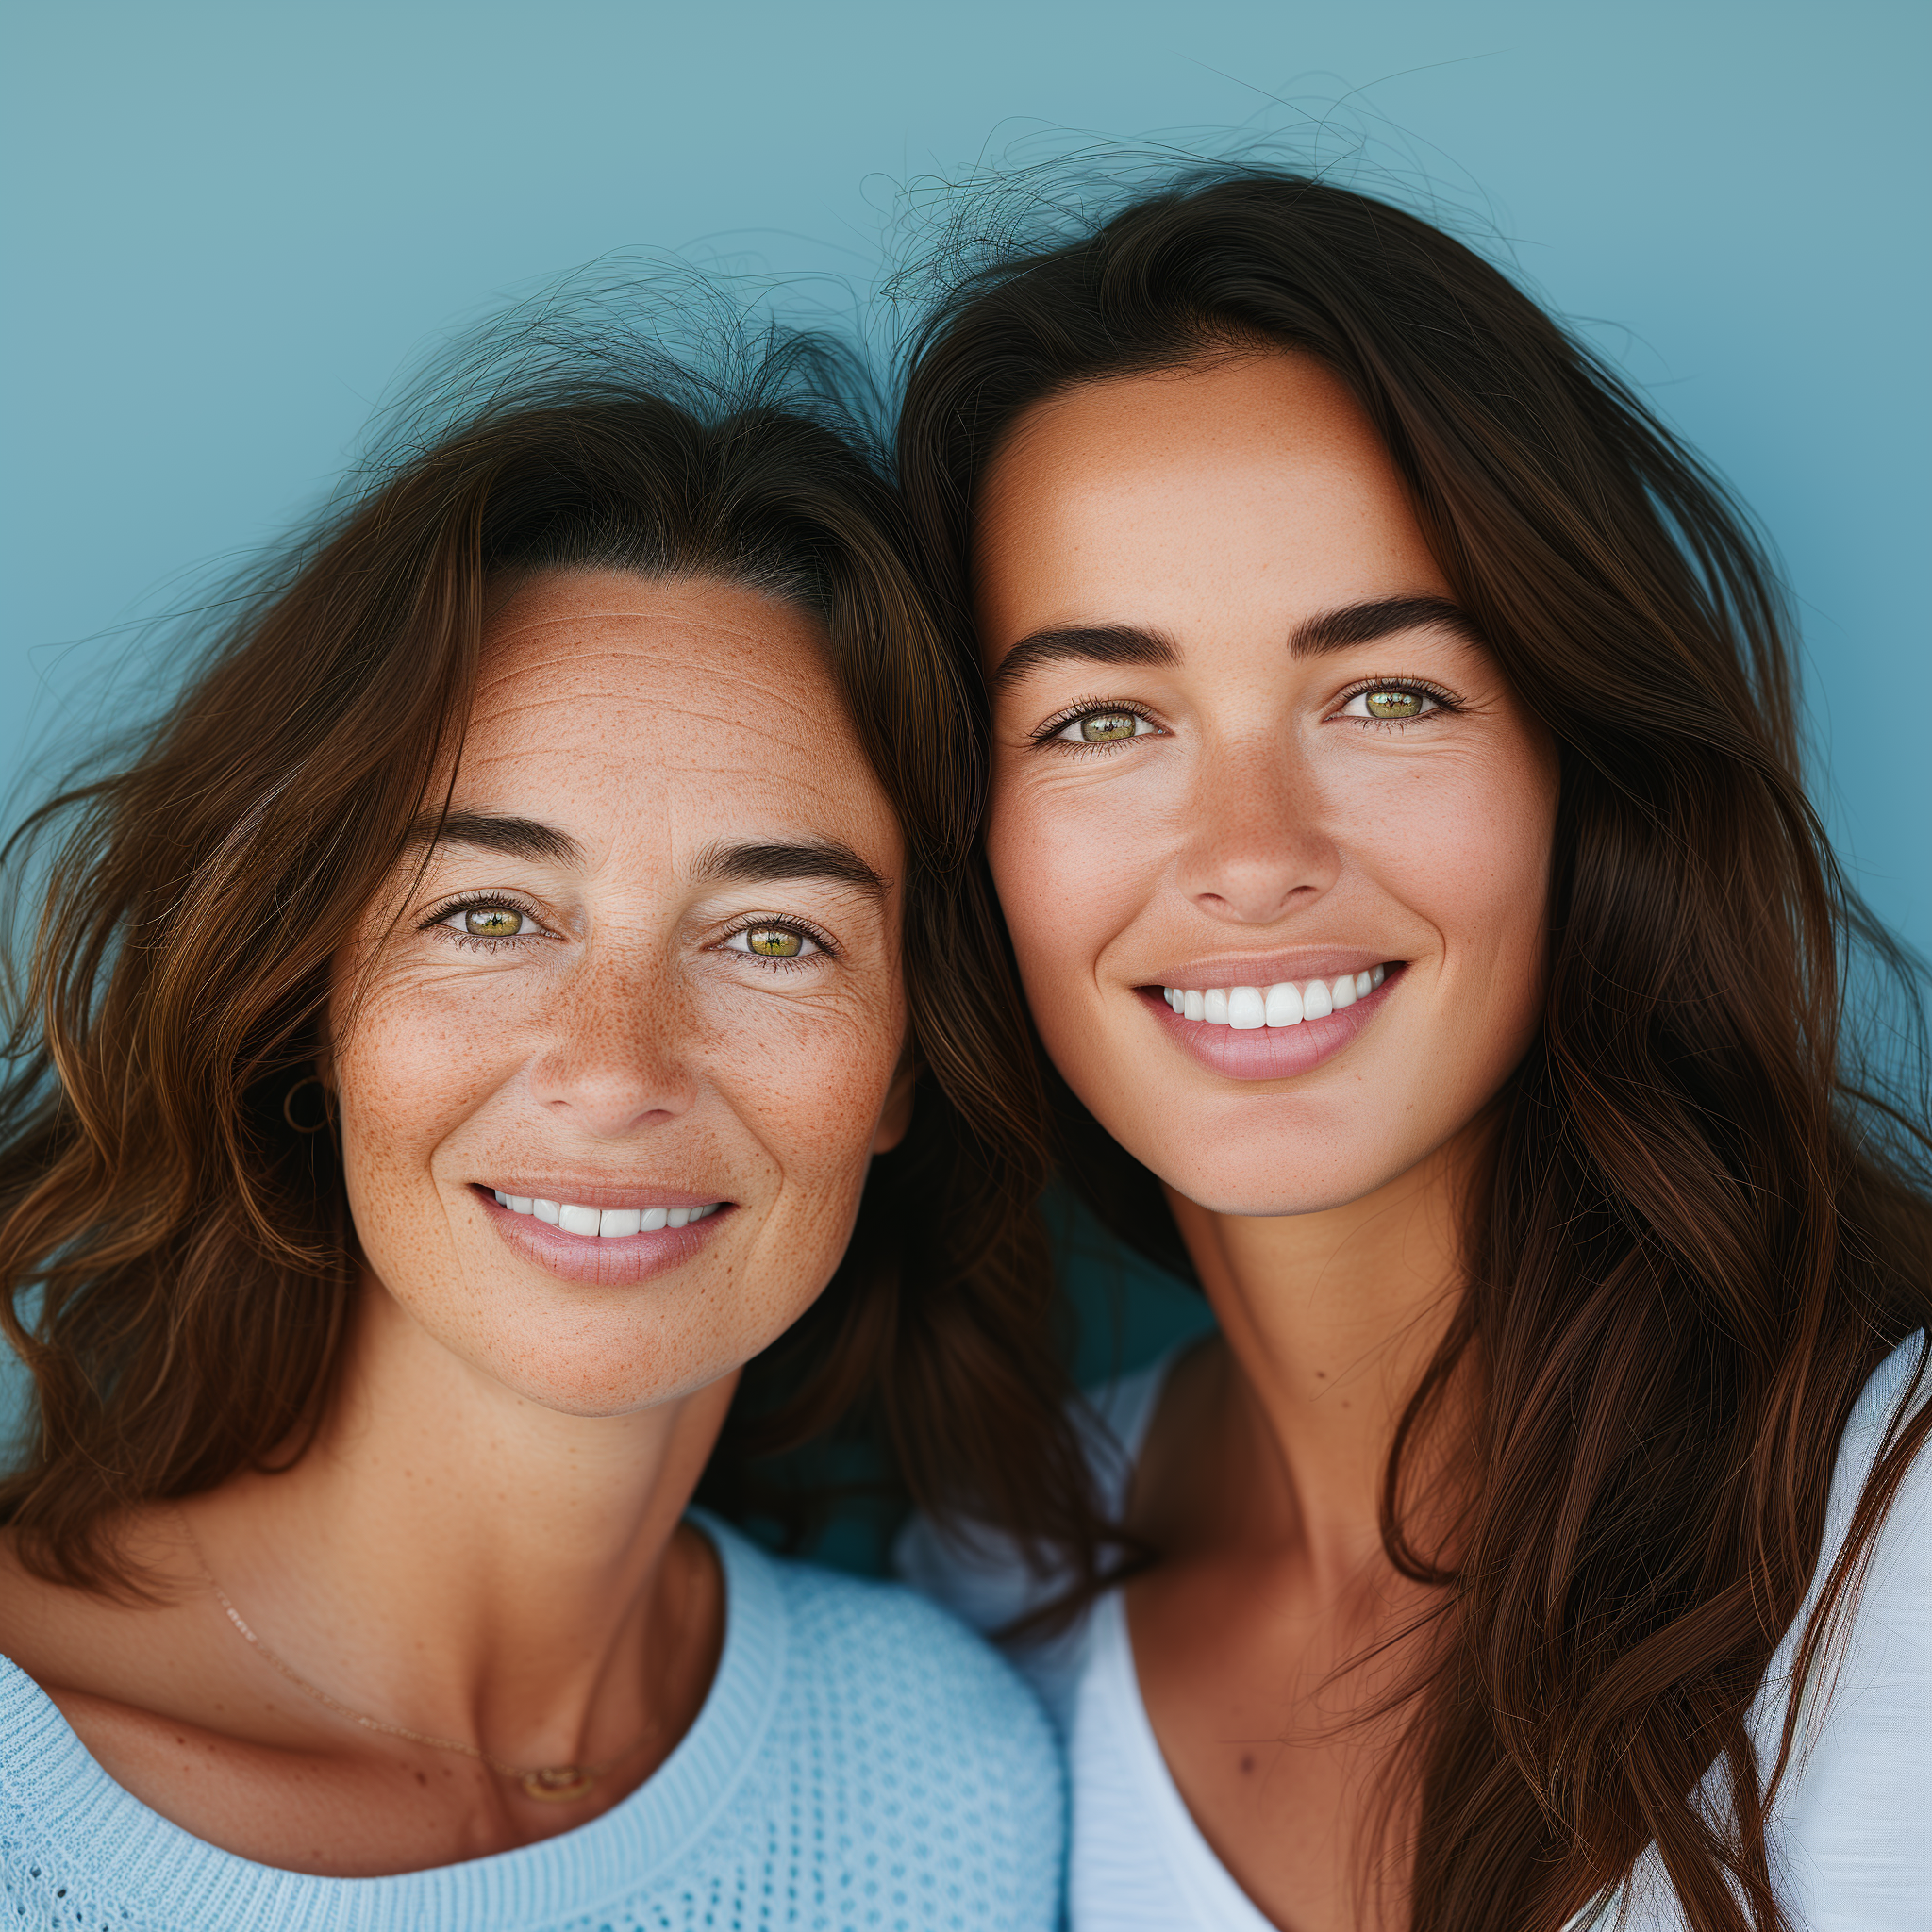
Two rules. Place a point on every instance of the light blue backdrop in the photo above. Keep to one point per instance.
(228, 225)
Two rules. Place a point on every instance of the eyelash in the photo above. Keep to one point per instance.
(1044, 735)
(798, 927)
(1443, 700)
(484, 902)
(1048, 733)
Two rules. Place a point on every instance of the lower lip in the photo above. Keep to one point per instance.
(594, 1260)
(1267, 1053)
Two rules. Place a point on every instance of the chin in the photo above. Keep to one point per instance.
(1288, 1173)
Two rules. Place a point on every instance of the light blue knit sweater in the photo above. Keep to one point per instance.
(860, 1761)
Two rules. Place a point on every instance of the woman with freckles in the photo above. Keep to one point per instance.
(1397, 811)
(453, 1047)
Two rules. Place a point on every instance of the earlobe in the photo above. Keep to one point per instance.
(896, 1117)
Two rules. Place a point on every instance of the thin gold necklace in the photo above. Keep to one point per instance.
(552, 1784)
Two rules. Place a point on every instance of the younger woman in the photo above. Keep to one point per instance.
(455, 1046)
(1397, 816)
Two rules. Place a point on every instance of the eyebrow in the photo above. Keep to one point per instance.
(769, 864)
(514, 838)
(1363, 623)
(1328, 630)
(1106, 643)
(750, 864)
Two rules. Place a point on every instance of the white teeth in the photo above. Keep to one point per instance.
(1245, 1007)
(1245, 1010)
(607, 1224)
(1284, 1007)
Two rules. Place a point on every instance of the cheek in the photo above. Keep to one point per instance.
(807, 1084)
(1468, 851)
(1067, 879)
(404, 1085)
(419, 1061)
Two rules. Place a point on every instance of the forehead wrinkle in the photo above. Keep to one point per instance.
(772, 670)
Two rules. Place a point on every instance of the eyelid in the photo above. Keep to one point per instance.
(467, 902)
(1423, 687)
(778, 922)
(1044, 734)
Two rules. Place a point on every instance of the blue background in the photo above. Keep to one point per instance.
(228, 226)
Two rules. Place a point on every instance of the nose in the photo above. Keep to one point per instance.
(1258, 846)
(616, 1059)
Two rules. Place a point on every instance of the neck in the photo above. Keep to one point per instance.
(1328, 1319)
(451, 1557)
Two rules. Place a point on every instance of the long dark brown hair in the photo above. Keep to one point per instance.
(1706, 1224)
(177, 1258)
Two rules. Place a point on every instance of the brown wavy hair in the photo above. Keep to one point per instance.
(179, 1261)
(1706, 1224)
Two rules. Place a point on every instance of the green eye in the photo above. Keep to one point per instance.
(493, 922)
(774, 942)
(1099, 728)
(1393, 703)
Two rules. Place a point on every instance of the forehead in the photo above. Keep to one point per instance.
(604, 696)
(1252, 478)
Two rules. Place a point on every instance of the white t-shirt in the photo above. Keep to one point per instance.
(1850, 1832)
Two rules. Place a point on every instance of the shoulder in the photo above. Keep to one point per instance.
(899, 1661)
(1897, 1563)
(981, 1576)
(1851, 1824)
(978, 1572)
(924, 1745)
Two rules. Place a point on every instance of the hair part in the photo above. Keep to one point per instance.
(1699, 1235)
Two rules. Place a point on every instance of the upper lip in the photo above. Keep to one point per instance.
(597, 1193)
(1272, 969)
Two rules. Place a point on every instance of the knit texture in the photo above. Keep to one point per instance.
(862, 1760)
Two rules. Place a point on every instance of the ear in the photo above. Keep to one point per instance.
(896, 1117)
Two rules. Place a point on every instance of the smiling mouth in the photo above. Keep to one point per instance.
(1248, 1009)
(604, 1223)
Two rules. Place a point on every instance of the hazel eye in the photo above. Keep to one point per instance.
(1104, 727)
(1390, 703)
(773, 942)
(489, 921)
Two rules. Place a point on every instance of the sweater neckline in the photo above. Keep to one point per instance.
(49, 1778)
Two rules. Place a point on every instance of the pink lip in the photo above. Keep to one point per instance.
(1267, 1053)
(618, 1262)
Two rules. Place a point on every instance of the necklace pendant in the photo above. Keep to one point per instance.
(558, 1784)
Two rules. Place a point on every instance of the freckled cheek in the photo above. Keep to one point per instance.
(809, 1084)
(408, 1074)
